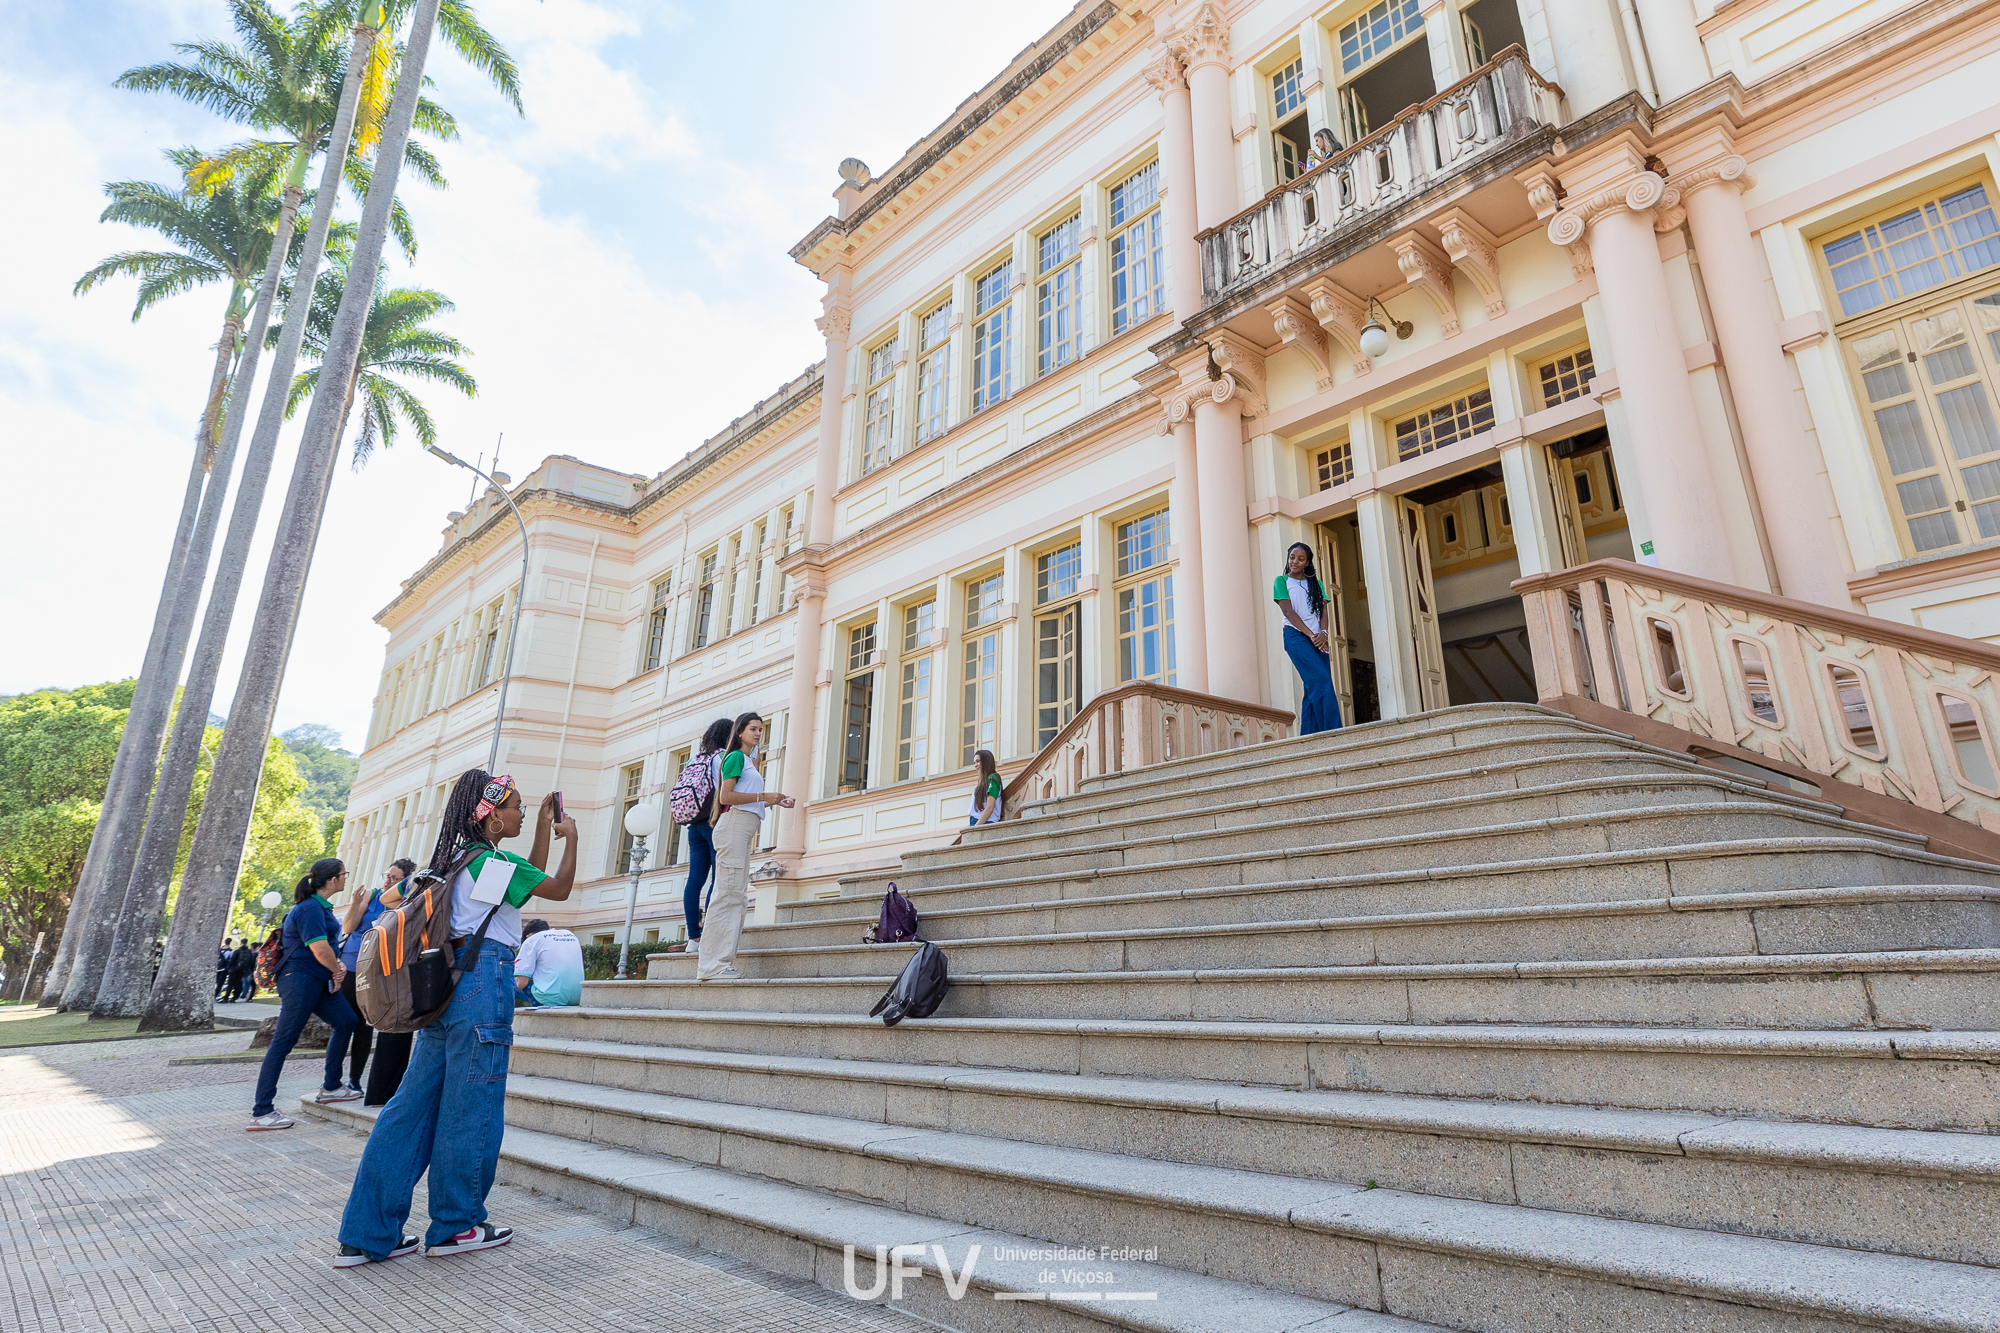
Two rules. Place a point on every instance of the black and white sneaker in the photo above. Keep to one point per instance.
(349, 1257)
(482, 1237)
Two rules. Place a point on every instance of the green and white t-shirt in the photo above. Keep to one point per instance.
(1287, 589)
(737, 765)
(467, 914)
(990, 790)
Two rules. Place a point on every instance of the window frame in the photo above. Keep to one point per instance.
(659, 620)
(933, 375)
(1478, 417)
(878, 403)
(1583, 367)
(1909, 201)
(1130, 577)
(1058, 251)
(980, 665)
(916, 689)
(1129, 311)
(993, 335)
(864, 646)
(704, 596)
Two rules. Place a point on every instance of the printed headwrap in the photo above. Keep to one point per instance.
(490, 799)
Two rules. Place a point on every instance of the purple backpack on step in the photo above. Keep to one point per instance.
(898, 921)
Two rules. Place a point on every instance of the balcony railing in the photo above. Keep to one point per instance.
(1133, 726)
(1900, 712)
(1503, 100)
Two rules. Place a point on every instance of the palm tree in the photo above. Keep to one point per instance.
(395, 344)
(182, 997)
(219, 236)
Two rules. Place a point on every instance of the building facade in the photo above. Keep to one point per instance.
(1455, 293)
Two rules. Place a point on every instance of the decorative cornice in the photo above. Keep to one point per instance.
(1202, 40)
(1427, 268)
(1298, 327)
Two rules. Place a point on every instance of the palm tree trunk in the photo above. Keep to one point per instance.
(123, 817)
(183, 997)
(127, 973)
(127, 762)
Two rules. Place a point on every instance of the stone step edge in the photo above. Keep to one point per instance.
(954, 857)
(1817, 1280)
(1930, 1154)
(1419, 874)
(1628, 907)
(1910, 960)
(1186, 1304)
(1806, 818)
(1800, 1043)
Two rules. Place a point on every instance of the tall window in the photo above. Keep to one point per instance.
(979, 712)
(913, 693)
(489, 654)
(1378, 32)
(755, 613)
(1929, 384)
(656, 622)
(704, 601)
(1334, 465)
(1145, 594)
(879, 425)
(1937, 241)
(1566, 376)
(860, 707)
(1290, 136)
(934, 373)
(628, 799)
(1444, 423)
(993, 337)
(1059, 266)
(1138, 285)
(1058, 622)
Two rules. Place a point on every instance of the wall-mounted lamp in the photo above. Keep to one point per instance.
(1374, 337)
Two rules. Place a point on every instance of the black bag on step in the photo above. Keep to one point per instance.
(918, 991)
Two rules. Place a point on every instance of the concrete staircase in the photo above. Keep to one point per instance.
(1485, 1019)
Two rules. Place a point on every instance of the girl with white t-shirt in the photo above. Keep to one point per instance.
(741, 798)
(1302, 601)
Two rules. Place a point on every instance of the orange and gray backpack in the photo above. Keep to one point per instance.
(405, 973)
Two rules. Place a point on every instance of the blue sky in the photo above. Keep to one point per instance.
(617, 258)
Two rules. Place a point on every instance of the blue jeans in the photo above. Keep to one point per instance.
(302, 993)
(1321, 709)
(701, 865)
(446, 1117)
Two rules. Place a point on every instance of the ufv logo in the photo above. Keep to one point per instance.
(891, 1268)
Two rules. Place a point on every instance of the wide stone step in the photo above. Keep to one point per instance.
(1535, 794)
(1310, 888)
(1898, 1191)
(1894, 1079)
(807, 1233)
(1320, 1239)
(1936, 990)
(1786, 922)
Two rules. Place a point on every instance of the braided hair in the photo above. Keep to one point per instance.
(459, 831)
(1311, 576)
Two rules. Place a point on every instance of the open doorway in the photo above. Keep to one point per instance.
(1491, 26)
(1482, 627)
(1387, 88)
(1353, 657)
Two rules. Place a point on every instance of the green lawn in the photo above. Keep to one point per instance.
(28, 1025)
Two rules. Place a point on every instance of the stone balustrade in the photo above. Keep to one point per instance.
(1498, 103)
(1133, 726)
(1901, 712)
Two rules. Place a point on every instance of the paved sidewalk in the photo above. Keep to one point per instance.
(132, 1199)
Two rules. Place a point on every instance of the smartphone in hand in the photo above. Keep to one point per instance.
(559, 806)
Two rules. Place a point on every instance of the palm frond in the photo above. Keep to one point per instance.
(207, 84)
(425, 166)
(434, 120)
(303, 385)
(480, 49)
(232, 165)
(160, 275)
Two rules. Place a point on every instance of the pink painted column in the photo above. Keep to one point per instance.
(1229, 628)
(1783, 462)
(1177, 178)
(1203, 44)
(809, 585)
(1184, 508)
(1674, 472)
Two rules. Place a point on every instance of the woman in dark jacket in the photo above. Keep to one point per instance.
(308, 984)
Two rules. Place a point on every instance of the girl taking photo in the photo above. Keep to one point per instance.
(1302, 602)
(741, 799)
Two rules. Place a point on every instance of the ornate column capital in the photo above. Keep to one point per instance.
(1202, 40)
(1731, 171)
(1166, 73)
(835, 325)
(1641, 192)
(1226, 369)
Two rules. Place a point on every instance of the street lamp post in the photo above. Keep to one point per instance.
(642, 821)
(513, 630)
(270, 901)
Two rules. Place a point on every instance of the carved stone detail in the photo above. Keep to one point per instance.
(1341, 313)
(1297, 326)
(1642, 193)
(1581, 265)
(1427, 268)
(1202, 40)
(835, 325)
(1471, 249)
(1731, 170)
(1166, 74)
(1544, 193)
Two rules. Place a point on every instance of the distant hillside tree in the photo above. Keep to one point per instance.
(327, 769)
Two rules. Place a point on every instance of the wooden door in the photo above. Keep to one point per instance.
(1427, 649)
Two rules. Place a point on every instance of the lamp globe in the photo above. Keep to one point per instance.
(271, 899)
(1374, 340)
(642, 820)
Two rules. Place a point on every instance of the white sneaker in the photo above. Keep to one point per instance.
(328, 1096)
(727, 972)
(271, 1121)
(482, 1237)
